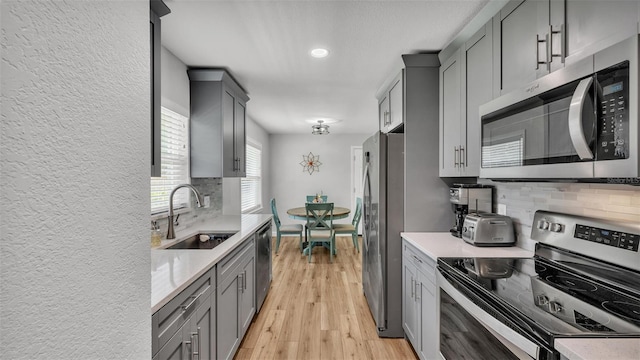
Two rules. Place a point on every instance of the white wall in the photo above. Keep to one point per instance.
(290, 185)
(74, 160)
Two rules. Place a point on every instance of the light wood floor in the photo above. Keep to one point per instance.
(317, 310)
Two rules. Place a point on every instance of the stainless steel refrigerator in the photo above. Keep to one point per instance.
(383, 219)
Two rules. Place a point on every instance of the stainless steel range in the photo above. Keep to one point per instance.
(583, 281)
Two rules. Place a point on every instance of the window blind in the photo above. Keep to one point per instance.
(505, 154)
(174, 147)
(251, 185)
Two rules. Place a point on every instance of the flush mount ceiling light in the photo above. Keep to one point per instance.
(319, 53)
(320, 128)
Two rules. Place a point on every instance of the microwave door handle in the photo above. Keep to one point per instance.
(576, 132)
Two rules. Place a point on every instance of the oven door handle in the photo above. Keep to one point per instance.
(576, 132)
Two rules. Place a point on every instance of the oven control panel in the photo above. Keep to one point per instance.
(617, 239)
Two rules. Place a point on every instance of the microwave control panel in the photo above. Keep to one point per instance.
(613, 114)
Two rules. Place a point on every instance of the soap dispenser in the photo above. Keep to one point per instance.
(156, 235)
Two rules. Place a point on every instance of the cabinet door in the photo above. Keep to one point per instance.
(177, 348)
(228, 136)
(240, 138)
(248, 297)
(205, 327)
(517, 27)
(383, 113)
(228, 313)
(477, 85)
(396, 102)
(450, 116)
(599, 23)
(410, 316)
(429, 333)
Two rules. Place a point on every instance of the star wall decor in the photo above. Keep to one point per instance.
(310, 163)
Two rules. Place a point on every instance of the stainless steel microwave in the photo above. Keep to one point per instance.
(580, 122)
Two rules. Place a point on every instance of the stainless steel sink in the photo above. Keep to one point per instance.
(194, 242)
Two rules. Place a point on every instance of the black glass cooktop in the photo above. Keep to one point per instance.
(567, 296)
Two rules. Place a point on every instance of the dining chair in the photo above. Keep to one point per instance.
(352, 228)
(292, 229)
(320, 226)
(310, 198)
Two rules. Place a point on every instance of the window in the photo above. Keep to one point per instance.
(175, 163)
(251, 186)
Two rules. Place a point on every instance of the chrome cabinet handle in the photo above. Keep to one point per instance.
(193, 352)
(417, 288)
(462, 152)
(241, 282)
(576, 132)
(546, 59)
(417, 259)
(562, 42)
(386, 117)
(244, 278)
(186, 308)
(413, 288)
(455, 156)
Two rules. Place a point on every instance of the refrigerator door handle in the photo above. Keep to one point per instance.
(366, 189)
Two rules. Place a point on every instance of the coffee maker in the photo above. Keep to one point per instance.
(469, 198)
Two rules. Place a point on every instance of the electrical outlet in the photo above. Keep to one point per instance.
(502, 209)
(207, 201)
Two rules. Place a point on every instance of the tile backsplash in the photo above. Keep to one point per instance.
(206, 186)
(618, 202)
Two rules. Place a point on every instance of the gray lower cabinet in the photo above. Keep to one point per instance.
(419, 299)
(185, 327)
(236, 298)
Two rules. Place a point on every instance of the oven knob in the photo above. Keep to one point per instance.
(555, 227)
(554, 307)
(543, 225)
(542, 300)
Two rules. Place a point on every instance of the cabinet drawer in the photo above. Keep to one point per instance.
(422, 261)
(227, 266)
(167, 320)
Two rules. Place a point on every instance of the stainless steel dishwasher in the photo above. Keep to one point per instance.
(263, 264)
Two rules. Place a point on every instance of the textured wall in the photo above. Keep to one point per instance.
(618, 202)
(74, 150)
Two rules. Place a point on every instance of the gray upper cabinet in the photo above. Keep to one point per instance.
(521, 29)
(157, 9)
(391, 104)
(450, 129)
(534, 37)
(465, 84)
(218, 121)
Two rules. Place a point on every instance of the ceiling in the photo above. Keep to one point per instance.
(266, 44)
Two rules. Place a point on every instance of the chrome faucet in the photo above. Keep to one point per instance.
(170, 232)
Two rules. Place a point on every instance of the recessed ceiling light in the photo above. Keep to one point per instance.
(319, 53)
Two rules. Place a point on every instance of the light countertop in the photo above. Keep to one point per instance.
(173, 270)
(442, 244)
(597, 349)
